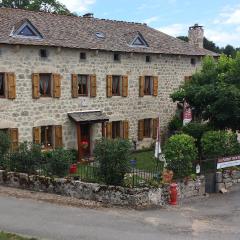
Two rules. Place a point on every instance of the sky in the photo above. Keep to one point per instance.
(220, 18)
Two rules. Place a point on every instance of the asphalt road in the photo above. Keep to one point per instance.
(216, 217)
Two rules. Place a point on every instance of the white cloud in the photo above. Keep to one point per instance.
(151, 20)
(229, 15)
(174, 29)
(78, 5)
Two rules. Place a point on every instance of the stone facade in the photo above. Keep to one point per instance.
(24, 112)
(226, 179)
(111, 195)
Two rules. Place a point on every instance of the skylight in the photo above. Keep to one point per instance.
(27, 31)
(100, 35)
(139, 41)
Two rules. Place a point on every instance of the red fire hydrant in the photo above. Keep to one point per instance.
(173, 194)
(73, 169)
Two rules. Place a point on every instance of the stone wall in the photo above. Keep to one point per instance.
(112, 195)
(24, 112)
(226, 179)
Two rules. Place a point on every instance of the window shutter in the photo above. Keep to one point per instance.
(13, 133)
(140, 129)
(11, 85)
(155, 126)
(35, 85)
(141, 86)
(124, 86)
(109, 85)
(109, 130)
(74, 85)
(93, 86)
(155, 86)
(58, 136)
(56, 85)
(125, 129)
(37, 135)
(187, 79)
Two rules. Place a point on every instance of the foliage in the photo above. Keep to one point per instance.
(214, 92)
(5, 143)
(52, 6)
(175, 124)
(180, 152)
(10, 236)
(219, 143)
(113, 156)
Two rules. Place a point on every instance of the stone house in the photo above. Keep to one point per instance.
(67, 80)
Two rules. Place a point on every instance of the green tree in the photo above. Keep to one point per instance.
(214, 92)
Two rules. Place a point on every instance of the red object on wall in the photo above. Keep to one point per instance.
(173, 194)
(73, 169)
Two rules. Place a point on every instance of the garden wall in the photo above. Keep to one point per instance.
(112, 195)
(226, 179)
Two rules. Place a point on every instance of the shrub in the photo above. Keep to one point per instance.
(175, 124)
(113, 157)
(219, 143)
(180, 152)
(5, 144)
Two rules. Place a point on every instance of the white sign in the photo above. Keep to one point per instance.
(228, 162)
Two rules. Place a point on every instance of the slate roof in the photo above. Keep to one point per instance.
(80, 32)
(88, 116)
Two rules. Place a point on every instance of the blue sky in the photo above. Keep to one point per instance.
(220, 18)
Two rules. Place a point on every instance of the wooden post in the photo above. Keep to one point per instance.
(79, 141)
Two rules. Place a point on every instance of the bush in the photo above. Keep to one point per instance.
(180, 152)
(113, 157)
(5, 144)
(219, 143)
(175, 124)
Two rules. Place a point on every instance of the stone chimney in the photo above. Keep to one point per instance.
(196, 35)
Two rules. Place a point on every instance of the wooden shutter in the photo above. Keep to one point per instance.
(11, 85)
(93, 86)
(124, 86)
(125, 125)
(37, 135)
(35, 85)
(56, 85)
(187, 79)
(109, 130)
(13, 133)
(109, 85)
(155, 126)
(140, 129)
(141, 86)
(74, 85)
(155, 86)
(58, 136)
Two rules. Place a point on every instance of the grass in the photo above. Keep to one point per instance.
(10, 236)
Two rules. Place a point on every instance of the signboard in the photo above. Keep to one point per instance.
(187, 113)
(228, 162)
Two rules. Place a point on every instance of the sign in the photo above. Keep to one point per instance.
(187, 113)
(228, 162)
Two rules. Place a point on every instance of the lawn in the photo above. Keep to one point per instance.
(10, 236)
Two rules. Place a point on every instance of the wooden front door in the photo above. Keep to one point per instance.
(85, 140)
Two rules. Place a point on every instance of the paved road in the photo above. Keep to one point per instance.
(216, 217)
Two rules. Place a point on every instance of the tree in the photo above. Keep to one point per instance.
(52, 6)
(214, 92)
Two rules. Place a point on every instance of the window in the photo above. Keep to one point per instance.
(83, 56)
(2, 85)
(43, 53)
(45, 85)
(116, 57)
(47, 137)
(83, 85)
(148, 85)
(139, 41)
(116, 129)
(116, 85)
(27, 31)
(148, 59)
(147, 128)
(193, 61)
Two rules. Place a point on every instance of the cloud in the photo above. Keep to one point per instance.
(174, 29)
(78, 5)
(151, 20)
(229, 15)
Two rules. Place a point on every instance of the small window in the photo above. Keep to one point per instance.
(4, 131)
(83, 56)
(43, 53)
(148, 85)
(148, 59)
(147, 128)
(116, 85)
(116, 57)
(45, 85)
(2, 85)
(116, 129)
(47, 137)
(193, 61)
(27, 31)
(83, 85)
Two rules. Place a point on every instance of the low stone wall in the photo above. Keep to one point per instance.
(226, 179)
(112, 195)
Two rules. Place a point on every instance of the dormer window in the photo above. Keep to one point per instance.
(27, 31)
(139, 41)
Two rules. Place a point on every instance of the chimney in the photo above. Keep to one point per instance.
(88, 15)
(196, 35)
